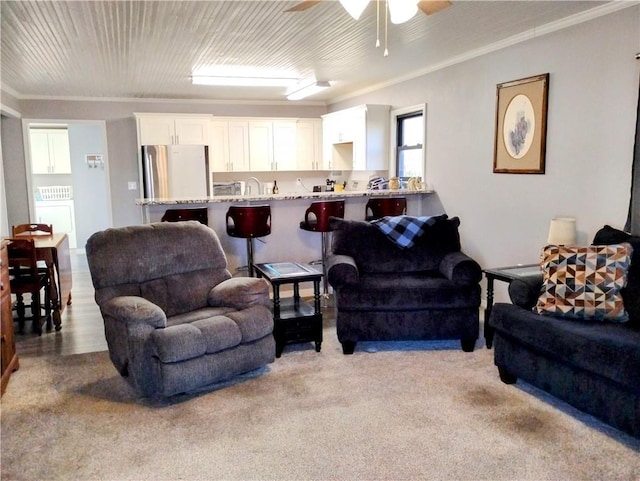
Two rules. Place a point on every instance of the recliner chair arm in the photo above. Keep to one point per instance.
(460, 268)
(240, 293)
(134, 309)
(342, 270)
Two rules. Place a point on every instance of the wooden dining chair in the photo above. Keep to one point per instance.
(26, 278)
(32, 229)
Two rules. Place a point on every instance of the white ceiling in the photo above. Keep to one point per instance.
(148, 49)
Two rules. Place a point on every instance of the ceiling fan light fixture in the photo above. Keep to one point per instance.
(401, 11)
(355, 7)
(242, 81)
(308, 89)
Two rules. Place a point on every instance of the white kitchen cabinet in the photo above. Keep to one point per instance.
(261, 145)
(309, 144)
(253, 144)
(172, 130)
(357, 138)
(239, 146)
(50, 151)
(219, 146)
(285, 145)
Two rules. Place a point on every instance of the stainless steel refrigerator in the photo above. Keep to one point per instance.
(175, 171)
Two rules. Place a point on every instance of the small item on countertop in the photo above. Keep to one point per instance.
(275, 187)
(413, 183)
(394, 183)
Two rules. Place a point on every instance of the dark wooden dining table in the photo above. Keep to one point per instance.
(53, 249)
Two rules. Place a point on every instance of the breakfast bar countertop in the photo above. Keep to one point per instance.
(285, 196)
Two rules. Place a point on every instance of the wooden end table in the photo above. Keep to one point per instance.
(506, 274)
(295, 320)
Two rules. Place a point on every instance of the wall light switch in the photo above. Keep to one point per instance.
(133, 185)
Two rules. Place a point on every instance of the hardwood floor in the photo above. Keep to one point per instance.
(82, 328)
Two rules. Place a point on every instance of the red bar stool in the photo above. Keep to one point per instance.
(316, 219)
(385, 206)
(249, 222)
(177, 215)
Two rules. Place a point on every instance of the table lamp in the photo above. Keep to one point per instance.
(562, 231)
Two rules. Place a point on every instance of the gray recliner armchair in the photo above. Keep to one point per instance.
(175, 320)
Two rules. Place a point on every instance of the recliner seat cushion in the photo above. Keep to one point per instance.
(608, 349)
(186, 341)
(390, 292)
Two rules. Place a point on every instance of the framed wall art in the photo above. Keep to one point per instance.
(521, 126)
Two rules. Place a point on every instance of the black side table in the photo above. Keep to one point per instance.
(505, 274)
(294, 319)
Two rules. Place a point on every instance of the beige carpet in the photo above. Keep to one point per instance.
(401, 411)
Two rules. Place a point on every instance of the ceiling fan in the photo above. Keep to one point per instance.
(428, 7)
(399, 11)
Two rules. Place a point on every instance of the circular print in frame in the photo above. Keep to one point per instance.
(519, 126)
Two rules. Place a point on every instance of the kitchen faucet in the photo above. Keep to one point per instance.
(247, 189)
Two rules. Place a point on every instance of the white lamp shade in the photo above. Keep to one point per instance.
(562, 231)
(401, 11)
(354, 7)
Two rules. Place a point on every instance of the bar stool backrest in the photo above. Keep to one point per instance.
(385, 206)
(316, 217)
(249, 221)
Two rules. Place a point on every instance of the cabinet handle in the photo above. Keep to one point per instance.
(177, 139)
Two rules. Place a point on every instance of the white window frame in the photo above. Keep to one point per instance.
(393, 154)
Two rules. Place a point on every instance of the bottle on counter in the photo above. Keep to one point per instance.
(275, 187)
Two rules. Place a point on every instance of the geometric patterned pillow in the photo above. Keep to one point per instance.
(584, 282)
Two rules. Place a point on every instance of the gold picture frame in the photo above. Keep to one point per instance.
(521, 126)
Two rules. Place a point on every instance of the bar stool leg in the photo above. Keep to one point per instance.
(250, 256)
(325, 255)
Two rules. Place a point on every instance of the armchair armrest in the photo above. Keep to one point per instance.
(460, 268)
(524, 292)
(240, 293)
(342, 270)
(134, 310)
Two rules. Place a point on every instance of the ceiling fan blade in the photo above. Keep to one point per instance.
(429, 7)
(303, 5)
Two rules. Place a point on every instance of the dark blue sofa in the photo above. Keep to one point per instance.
(594, 366)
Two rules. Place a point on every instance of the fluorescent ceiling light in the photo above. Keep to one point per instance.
(401, 11)
(354, 7)
(308, 89)
(243, 81)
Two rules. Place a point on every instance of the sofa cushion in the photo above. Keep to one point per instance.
(389, 292)
(611, 350)
(584, 282)
(373, 252)
(631, 293)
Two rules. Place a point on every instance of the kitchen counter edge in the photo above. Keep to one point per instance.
(287, 196)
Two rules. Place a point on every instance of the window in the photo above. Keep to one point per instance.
(409, 148)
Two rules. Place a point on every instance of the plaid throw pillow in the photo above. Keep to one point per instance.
(584, 282)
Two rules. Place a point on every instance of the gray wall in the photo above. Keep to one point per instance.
(591, 126)
(15, 177)
(90, 194)
(591, 121)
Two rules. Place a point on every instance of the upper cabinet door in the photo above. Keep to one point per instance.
(309, 144)
(50, 151)
(156, 130)
(191, 131)
(239, 145)
(260, 146)
(219, 146)
(285, 145)
(169, 130)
